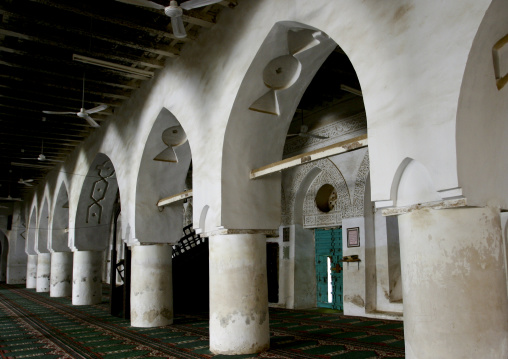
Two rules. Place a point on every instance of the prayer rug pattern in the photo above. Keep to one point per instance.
(34, 325)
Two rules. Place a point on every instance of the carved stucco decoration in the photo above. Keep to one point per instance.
(330, 174)
(361, 181)
(289, 191)
(336, 132)
(187, 212)
(99, 190)
(346, 207)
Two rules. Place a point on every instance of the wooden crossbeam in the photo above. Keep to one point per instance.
(332, 150)
(175, 198)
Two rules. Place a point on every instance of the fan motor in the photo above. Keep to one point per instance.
(173, 11)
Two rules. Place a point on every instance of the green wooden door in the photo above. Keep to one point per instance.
(329, 268)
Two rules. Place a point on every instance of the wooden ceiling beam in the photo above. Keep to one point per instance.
(78, 67)
(19, 114)
(64, 141)
(13, 81)
(109, 19)
(54, 105)
(48, 98)
(11, 31)
(39, 125)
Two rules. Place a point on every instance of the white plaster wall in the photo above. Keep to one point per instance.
(59, 225)
(396, 48)
(305, 269)
(482, 128)
(354, 273)
(41, 244)
(31, 232)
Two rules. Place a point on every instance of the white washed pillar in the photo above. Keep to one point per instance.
(238, 294)
(87, 278)
(454, 286)
(31, 271)
(61, 274)
(43, 272)
(151, 285)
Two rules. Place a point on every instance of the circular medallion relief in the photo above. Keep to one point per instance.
(282, 72)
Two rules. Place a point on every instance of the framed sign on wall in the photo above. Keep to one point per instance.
(353, 237)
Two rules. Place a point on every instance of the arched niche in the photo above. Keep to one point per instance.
(60, 221)
(481, 126)
(95, 206)
(413, 184)
(161, 178)
(260, 118)
(43, 229)
(31, 232)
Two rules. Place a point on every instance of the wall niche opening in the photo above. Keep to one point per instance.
(326, 198)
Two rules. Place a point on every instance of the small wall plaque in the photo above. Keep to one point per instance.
(353, 237)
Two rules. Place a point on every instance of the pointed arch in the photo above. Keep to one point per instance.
(163, 171)
(95, 206)
(60, 221)
(32, 231)
(43, 228)
(260, 118)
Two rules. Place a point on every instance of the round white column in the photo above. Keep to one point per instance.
(454, 285)
(31, 271)
(43, 272)
(61, 274)
(151, 286)
(87, 278)
(238, 294)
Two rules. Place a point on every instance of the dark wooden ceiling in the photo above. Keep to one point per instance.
(38, 39)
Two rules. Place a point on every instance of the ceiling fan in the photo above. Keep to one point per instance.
(173, 11)
(42, 157)
(26, 182)
(83, 113)
(304, 132)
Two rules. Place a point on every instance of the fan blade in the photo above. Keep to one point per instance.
(292, 135)
(144, 3)
(192, 4)
(59, 113)
(96, 109)
(178, 27)
(9, 198)
(27, 184)
(28, 180)
(91, 121)
(311, 135)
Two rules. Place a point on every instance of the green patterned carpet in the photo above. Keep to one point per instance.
(35, 325)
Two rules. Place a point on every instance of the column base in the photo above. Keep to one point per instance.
(454, 285)
(31, 272)
(87, 278)
(238, 294)
(43, 272)
(61, 274)
(151, 286)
